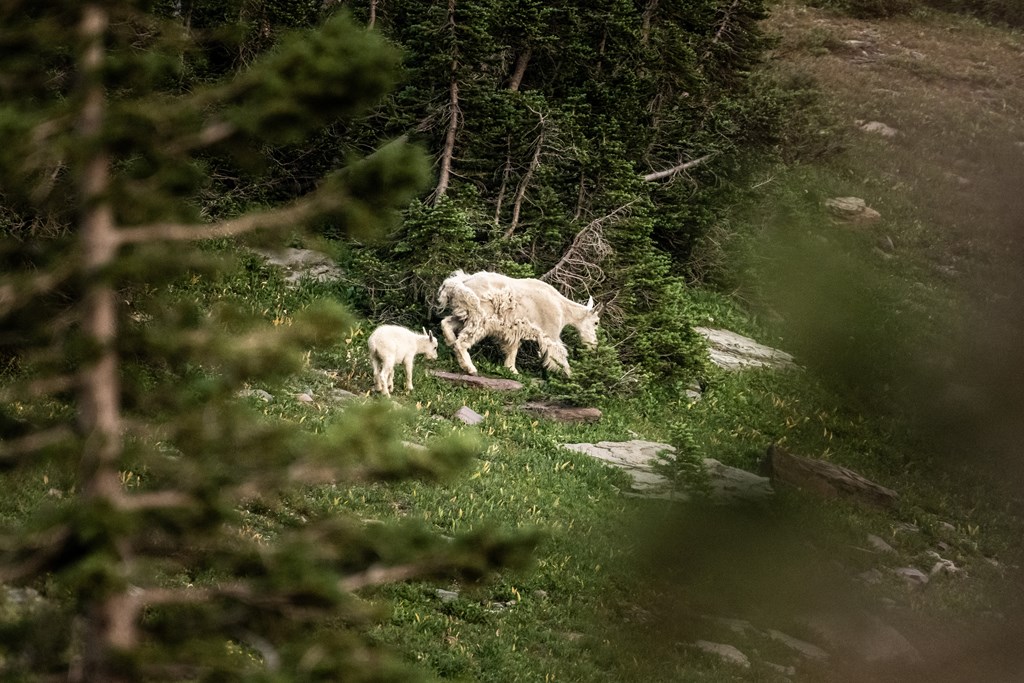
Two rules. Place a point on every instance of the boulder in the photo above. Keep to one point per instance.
(468, 415)
(733, 351)
(302, 263)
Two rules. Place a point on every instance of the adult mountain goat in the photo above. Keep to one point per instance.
(390, 345)
(512, 310)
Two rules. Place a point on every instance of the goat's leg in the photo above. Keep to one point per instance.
(388, 379)
(470, 335)
(511, 349)
(448, 329)
(408, 374)
(377, 383)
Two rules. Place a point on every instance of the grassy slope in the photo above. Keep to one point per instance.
(620, 587)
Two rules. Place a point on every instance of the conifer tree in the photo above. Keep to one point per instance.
(131, 392)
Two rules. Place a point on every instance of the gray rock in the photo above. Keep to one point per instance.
(733, 484)
(879, 545)
(638, 457)
(727, 653)
(302, 263)
(257, 393)
(852, 209)
(342, 395)
(803, 647)
(865, 636)
(913, 577)
(492, 383)
(878, 128)
(942, 565)
(303, 398)
(447, 596)
(468, 415)
(733, 351)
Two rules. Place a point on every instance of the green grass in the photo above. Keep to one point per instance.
(619, 588)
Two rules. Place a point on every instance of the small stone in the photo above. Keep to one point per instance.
(879, 128)
(913, 577)
(804, 648)
(303, 398)
(727, 653)
(447, 596)
(852, 209)
(871, 577)
(879, 544)
(468, 416)
(942, 565)
(265, 396)
(540, 594)
(342, 395)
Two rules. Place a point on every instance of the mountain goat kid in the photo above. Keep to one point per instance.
(392, 344)
(512, 310)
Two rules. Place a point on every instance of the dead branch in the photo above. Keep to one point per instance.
(581, 262)
(373, 14)
(517, 205)
(679, 168)
(504, 184)
(721, 30)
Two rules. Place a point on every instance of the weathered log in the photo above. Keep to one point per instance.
(563, 413)
(825, 478)
(492, 383)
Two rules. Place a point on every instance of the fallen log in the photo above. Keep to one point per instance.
(825, 478)
(492, 383)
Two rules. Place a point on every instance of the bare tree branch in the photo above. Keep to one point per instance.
(679, 168)
(517, 205)
(581, 262)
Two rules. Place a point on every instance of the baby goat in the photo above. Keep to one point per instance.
(390, 345)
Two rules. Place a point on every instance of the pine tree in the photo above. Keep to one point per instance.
(132, 392)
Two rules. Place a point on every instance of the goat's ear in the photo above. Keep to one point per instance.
(590, 304)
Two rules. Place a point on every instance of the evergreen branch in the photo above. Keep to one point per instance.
(517, 205)
(153, 500)
(10, 450)
(40, 387)
(669, 172)
(298, 212)
(378, 576)
(13, 296)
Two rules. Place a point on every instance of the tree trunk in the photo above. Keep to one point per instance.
(645, 28)
(99, 412)
(444, 175)
(520, 69)
(373, 14)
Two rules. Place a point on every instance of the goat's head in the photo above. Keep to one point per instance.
(430, 351)
(588, 325)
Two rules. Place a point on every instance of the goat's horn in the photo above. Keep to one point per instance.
(590, 304)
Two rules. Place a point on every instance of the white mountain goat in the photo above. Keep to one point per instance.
(390, 345)
(512, 310)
